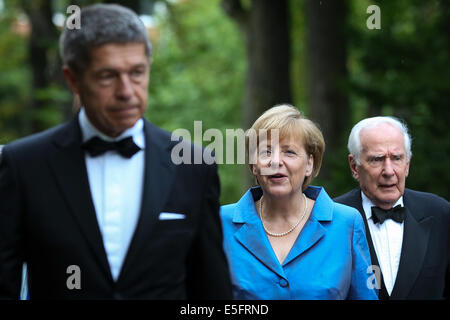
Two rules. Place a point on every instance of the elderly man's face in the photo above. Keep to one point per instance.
(384, 166)
(113, 88)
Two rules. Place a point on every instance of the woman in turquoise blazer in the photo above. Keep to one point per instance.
(285, 239)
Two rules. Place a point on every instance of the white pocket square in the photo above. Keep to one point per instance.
(171, 216)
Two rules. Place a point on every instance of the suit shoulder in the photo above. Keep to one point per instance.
(166, 135)
(425, 195)
(155, 130)
(182, 150)
(427, 200)
(347, 197)
(34, 144)
(187, 152)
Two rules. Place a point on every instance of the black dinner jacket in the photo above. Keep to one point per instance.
(423, 271)
(48, 220)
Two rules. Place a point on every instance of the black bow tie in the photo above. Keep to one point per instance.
(380, 215)
(96, 146)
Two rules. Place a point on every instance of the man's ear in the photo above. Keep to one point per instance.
(71, 79)
(353, 166)
(407, 169)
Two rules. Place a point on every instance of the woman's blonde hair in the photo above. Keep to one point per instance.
(290, 122)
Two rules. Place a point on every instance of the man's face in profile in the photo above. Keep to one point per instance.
(113, 88)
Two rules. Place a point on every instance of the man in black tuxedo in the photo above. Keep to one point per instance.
(407, 230)
(96, 207)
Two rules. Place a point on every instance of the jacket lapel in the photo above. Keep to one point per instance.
(251, 233)
(70, 172)
(159, 174)
(416, 235)
(313, 230)
(357, 203)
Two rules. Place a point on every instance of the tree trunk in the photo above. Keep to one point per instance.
(327, 72)
(43, 39)
(266, 29)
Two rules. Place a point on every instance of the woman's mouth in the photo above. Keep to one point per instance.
(277, 177)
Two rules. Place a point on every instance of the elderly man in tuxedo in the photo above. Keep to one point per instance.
(407, 230)
(96, 207)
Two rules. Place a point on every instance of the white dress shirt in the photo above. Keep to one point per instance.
(116, 188)
(387, 240)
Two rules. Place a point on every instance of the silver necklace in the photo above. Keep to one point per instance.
(291, 229)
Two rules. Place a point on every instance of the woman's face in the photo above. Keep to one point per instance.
(281, 168)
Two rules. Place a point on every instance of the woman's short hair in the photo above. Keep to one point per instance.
(101, 24)
(289, 122)
(354, 140)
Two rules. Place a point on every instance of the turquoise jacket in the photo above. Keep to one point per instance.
(329, 260)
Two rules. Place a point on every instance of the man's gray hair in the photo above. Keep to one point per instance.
(101, 24)
(354, 140)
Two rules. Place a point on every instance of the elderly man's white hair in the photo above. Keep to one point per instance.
(354, 140)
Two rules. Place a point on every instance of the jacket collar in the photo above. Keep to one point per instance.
(251, 234)
(245, 211)
(416, 236)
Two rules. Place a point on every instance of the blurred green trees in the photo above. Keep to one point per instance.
(404, 70)
(14, 76)
(200, 64)
(197, 74)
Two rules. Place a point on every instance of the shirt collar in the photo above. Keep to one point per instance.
(88, 131)
(368, 204)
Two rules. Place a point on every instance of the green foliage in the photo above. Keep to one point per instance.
(54, 98)
(298, 53)
(24, 109)
(403, 70)
(197, 74)
(15, 76)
